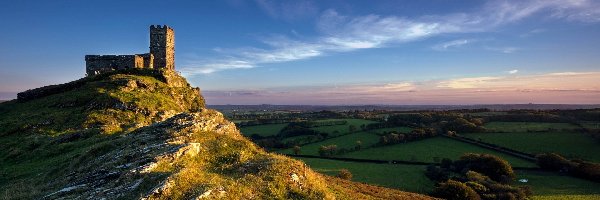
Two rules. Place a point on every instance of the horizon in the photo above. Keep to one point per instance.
(329, 53)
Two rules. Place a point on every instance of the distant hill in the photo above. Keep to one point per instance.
(145, 134)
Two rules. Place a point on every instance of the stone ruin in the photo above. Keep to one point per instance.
(161, 56)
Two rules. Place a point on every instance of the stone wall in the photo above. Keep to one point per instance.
(97, 64)
(162, 46)
(148, 60)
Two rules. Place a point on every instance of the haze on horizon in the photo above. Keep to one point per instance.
(324, 52)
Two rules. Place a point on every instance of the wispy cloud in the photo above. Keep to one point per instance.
(514, 71)
(340, 33)
(451, 44)
(563, 87)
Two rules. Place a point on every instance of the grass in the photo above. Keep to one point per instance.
(346, 141)
(527, 126)
(573, 145)
(263, 130)
(341, 129)
(590, 124)
(549, 185)
(428, 149)
(400, 129)
(404, 177)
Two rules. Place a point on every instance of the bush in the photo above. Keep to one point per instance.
(494, 167)
(345, 174)
(454, 190)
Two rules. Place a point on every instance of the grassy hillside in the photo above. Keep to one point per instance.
(146, 134)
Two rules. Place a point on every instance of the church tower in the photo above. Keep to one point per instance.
(162, 46)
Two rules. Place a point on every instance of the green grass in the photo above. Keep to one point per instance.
(526, 126)
(589, 124)
(341, 129)
(549, 185)
(425, 151)
(263, 130)
(346, 141)
(401, 129)
(404, 177)
(568, 144)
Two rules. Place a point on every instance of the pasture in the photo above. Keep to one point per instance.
(572, 145)
(428, 149)
(263, 130)
(405, 177)
(341, 129)
(527, 126)
(549, 185)
(346, 141)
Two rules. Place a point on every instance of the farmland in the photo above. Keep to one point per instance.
(263, 130)
(405, 177)
(570, 144)
(527, 126)
(419, 138)
(428, 150)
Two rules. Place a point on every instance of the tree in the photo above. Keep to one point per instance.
(345, 174)
(454, 190)
(328, 150)
(296, 150)
(492, 166)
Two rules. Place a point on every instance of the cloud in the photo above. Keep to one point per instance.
(450, 44)
(514, 71)
(341, 33)
(561, 87)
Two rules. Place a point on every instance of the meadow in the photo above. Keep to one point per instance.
(527, 126)
(573, 145)
(550, 185)
(406, 177)
(346, 141)
(428, 149)
(341, 129)
(263, 130)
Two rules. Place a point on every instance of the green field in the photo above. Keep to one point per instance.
(405, 177)
(346, 141)
(341, 129)
(567, 144)
(526, 126)
(425, 151)
(401, 129)
(592, 125)
(549, 185)
(263, 130)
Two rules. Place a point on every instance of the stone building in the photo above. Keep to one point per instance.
(161, 56)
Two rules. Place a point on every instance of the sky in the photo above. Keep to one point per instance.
(324, 52)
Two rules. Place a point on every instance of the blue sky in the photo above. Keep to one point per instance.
(324, 52)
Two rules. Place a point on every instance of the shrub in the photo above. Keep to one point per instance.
(494, 167)
(345, 174)
(454, 190)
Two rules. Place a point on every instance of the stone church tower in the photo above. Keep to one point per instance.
(162, 47)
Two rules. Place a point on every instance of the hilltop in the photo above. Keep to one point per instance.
(146, 134)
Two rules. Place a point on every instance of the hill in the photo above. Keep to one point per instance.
(145, 134)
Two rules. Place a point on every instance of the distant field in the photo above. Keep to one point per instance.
(346, 141)
(526, 126)
(549, 185)
(425, 151)
(594, 125)
(263, 130)
(400, 129)
(404, 177)
(485, 114)
(568, 144)
(341, 129)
